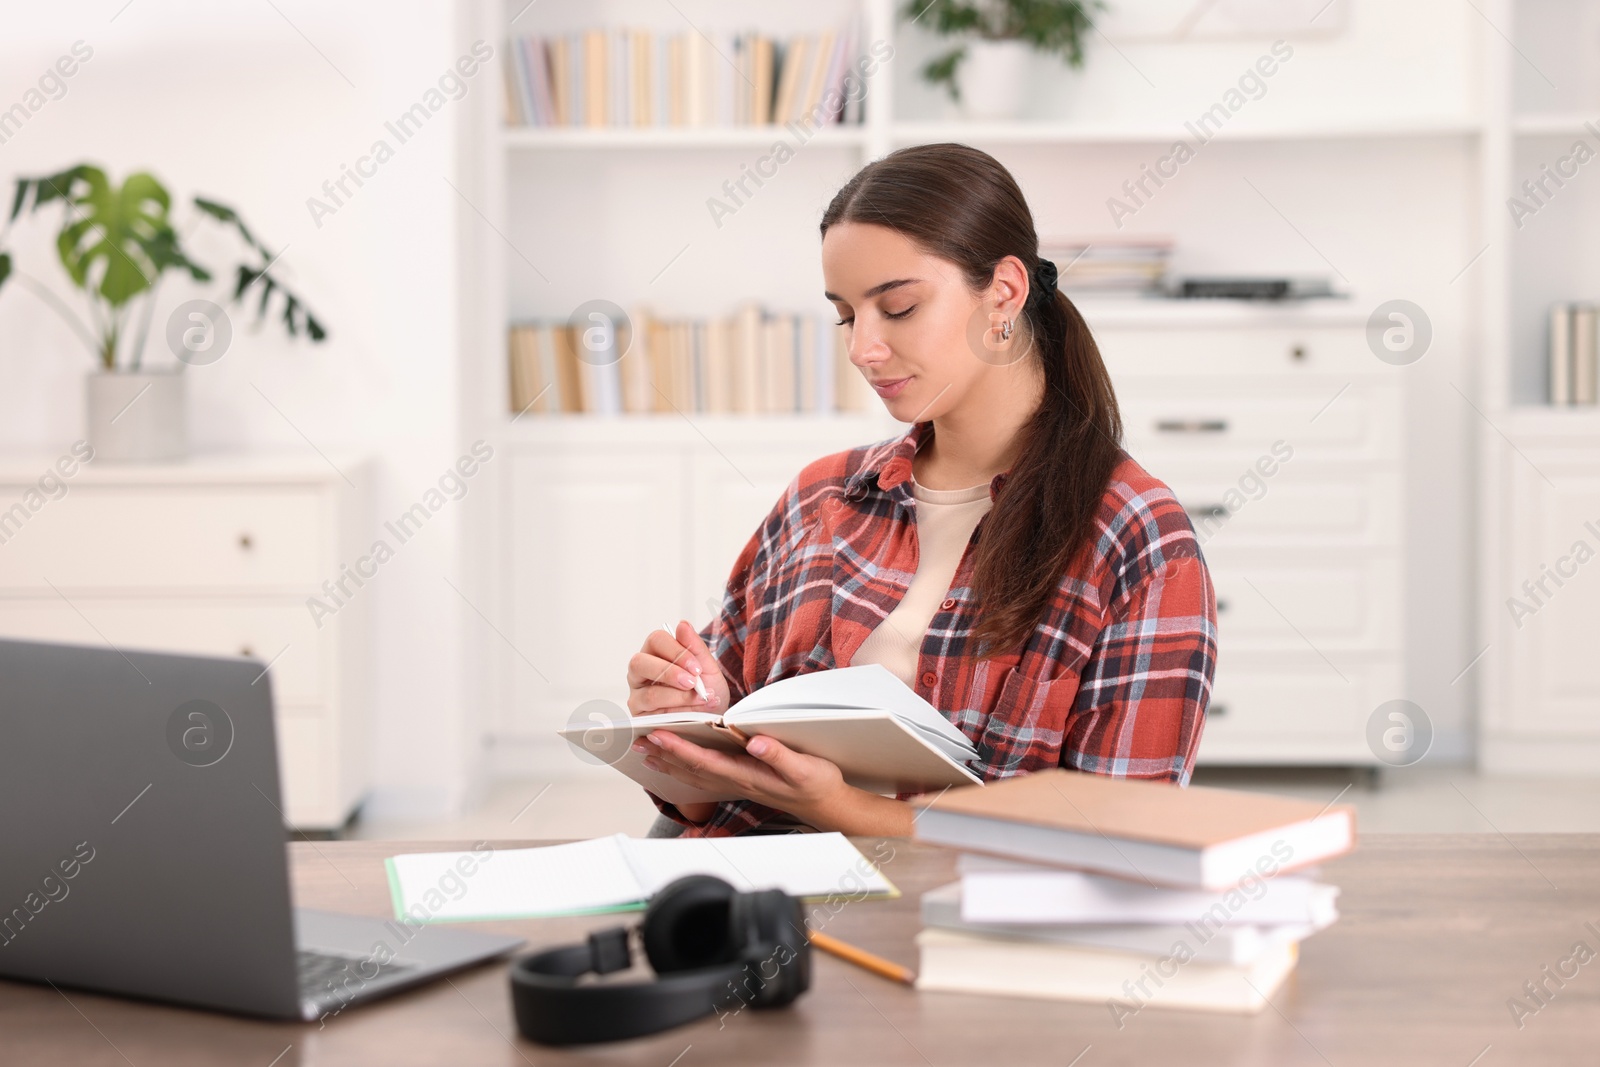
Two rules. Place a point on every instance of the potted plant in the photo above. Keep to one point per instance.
(986, 73)
(116, 243)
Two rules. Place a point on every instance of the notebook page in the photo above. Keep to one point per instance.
(802, 865)
(567, 879)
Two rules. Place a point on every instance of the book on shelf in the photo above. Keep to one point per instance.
(881, 734)
(754, 361)
(1188, 837)
(1574, 354)
(641, 78)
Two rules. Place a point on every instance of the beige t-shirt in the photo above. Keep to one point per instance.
(945, 521)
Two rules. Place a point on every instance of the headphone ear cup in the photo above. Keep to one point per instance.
(776, 946)
(687, 925)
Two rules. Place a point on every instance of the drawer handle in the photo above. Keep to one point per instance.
(1218, 710)
(1222, 605)
(1298, 352)
(1192, 425)
(246, 543)
(1209, 511)
(246, 650)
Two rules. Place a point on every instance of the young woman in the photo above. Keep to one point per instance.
(1005, 558)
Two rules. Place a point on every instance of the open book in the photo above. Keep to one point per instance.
(883, 737)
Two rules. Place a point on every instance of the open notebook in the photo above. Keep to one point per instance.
(621, 873)
(883, 737)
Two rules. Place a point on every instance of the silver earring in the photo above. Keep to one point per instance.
(1005, 331)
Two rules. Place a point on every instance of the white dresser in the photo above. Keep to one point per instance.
(1280, 431)
(217, 555)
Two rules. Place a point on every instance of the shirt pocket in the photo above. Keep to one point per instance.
(1024, 728)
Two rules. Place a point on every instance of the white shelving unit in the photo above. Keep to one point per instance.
(601, 527)
(1539, 608)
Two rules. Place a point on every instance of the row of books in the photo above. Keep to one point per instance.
(1574, 354)
(1116, 265)
(637, 77)
(753, 361)
(1130, 894)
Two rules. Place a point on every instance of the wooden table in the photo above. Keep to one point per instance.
(1438, 933)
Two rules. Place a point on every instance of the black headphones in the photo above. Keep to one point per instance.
(712, 947)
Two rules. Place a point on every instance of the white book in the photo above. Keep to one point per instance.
(1001, 891)
(1236, 945)
(620, 873)
(883, 736)
(969, 963)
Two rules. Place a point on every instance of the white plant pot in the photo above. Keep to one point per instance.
(137, 416)
(994, 79)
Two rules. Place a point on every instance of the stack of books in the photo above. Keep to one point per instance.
(1132, 894)
(1574, 354)
(751, 362)
(621, 77)
(1109, 265)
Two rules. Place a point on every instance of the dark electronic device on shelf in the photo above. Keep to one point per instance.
(1242, 288)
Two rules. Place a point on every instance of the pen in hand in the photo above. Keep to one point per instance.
(699, 683)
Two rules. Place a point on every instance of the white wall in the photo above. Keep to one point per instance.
(234, 101)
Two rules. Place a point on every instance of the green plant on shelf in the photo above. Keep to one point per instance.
(1055, 27)
(116, 243)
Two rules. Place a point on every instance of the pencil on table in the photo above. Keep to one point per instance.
(861, 958)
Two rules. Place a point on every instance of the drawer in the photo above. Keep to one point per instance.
(1279, 503)
(1294, 607)
(1278, 353)
(1294, 709)
(168, 538)
(219, 628)
(1241, 421)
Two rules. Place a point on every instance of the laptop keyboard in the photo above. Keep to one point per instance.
(322, 972)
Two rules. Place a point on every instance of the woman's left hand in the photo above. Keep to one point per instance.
(771, 774)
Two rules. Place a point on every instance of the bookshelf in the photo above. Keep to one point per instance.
(631, 216)
(1539, 703)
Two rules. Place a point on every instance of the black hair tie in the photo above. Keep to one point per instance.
(1046, 276)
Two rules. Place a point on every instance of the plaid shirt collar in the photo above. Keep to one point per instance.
(887, 465)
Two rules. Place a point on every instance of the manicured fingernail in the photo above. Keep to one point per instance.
(684, 681)
(694, 665)
(653, 763)
(757, 746)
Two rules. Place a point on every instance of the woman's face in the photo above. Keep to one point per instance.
(917, 333)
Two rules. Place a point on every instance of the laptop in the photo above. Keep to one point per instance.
(142, 844)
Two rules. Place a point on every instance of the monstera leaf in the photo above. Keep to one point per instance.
(117, 240)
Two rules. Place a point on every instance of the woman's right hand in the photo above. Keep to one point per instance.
(661, 674)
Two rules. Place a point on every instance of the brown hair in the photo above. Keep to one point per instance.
(959, 204)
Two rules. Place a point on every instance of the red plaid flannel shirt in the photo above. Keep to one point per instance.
(1114, 679)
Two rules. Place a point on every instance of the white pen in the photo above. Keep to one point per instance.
(699, 683)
